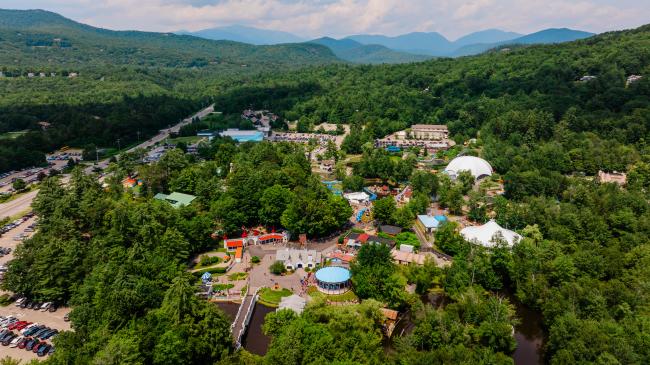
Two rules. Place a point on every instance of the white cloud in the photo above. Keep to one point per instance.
(312, 18)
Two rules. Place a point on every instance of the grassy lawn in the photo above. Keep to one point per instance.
(187, 140)
(12, 135)
(220, 287)
(271, 298)
(353, 159)
(345, 297)
(237, 276)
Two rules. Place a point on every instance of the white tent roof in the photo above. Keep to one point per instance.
(484, 234)
(360, 196)
(477, 166)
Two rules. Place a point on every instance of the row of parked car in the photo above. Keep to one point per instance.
(9, 226)
(43, 307)
(26, 335)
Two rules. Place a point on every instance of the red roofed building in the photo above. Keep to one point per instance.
(341, 258)
(233, 244)
(272, 238)
(239, 253)
(363, 238)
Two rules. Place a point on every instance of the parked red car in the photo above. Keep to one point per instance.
(37, 345)
(22, 326)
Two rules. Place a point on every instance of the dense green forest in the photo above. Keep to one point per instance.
(128, 84)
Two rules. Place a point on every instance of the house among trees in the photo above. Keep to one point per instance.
(356, 240)
(619, 178)
(406, 258)
(587, 78)
(177, 200)
(632, 79)
(434, 132)
(296, 259)
(428, 223)
(327, 165)
(390, 230)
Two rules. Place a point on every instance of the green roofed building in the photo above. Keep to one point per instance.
(177, 200)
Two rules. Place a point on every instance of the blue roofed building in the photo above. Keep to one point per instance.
(429, 223)
(243, 135)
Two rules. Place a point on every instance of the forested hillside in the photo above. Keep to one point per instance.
(128, 84)
(43, 39)
(583, 262)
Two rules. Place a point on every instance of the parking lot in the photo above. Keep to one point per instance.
(52, 320)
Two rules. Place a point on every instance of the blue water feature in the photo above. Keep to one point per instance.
(330, 185)
(361, 212)
(373, 196)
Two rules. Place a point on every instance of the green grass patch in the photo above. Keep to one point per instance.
(12, 135)
(215, 271)
(206, 260)
(5, 300)
(271, 298)
(238, 276)
(186, 140)
(220, 287)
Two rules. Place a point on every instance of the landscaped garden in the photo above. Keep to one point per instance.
(237, 276)
(271, 297)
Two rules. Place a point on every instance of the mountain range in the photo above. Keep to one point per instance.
(410, 47)
(244, 34)
(353, 51)
(38, 37)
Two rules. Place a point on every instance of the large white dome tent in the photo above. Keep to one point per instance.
(478, 167)
(484, 235)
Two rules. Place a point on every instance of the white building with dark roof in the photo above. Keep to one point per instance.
(296, 259)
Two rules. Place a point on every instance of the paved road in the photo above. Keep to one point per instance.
(18, 205)
(24, 202)
(423, 240)
(163, 134)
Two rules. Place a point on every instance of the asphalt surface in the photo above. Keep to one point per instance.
(18, 205)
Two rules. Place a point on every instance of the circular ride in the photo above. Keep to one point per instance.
(333, 280)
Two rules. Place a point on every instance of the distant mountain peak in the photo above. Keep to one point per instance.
(246, 34)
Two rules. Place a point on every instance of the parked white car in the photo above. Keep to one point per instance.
(15, 341)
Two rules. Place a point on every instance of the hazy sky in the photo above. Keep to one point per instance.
(311, 18)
